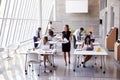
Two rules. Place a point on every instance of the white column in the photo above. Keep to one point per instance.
(40, 7)
(54, 10)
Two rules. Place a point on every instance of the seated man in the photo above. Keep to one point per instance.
(92, 38)
(87, 45)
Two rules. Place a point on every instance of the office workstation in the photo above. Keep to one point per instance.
(59, 40)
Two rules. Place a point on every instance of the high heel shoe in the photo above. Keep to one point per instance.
(84, 66)
(69, 62)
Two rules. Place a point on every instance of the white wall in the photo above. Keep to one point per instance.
(112, 6)
(77, 20)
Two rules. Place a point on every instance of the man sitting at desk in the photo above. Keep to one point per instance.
(44, 44)
(87, 45)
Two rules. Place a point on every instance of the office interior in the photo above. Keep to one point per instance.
(19, 20)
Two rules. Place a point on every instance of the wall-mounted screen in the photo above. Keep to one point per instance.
(76, 6)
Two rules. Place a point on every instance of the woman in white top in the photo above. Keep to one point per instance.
(50, 35)
(87, 45)
(44, 44)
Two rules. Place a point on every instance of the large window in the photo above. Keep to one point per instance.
(18, 20)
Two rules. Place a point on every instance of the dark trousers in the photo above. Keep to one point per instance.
(35, 40)
(74, 42)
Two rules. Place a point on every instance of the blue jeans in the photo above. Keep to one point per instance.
(74, 42)
(35, 40)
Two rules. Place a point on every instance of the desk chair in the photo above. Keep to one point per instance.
(12, 47)
(1, 50)
(32, 58)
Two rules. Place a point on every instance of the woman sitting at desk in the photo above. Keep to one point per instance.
(87, 45)
(50, 35)
(44, 44)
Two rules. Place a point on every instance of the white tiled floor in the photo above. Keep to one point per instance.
(14, 69)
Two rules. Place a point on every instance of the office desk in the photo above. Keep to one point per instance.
(58, 37)
(79, 43)
(54, 42)
(41, 51)
(79, 52)
(51, 42)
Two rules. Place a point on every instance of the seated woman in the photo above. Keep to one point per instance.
(87, 45)
(50, 35)
(44, 44)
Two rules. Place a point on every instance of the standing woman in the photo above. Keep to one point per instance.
(66, 34)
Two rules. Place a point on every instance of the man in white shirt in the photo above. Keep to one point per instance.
(37, 37)
(77, 36)
(50, 26)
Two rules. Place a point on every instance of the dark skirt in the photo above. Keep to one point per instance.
(66, 47)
